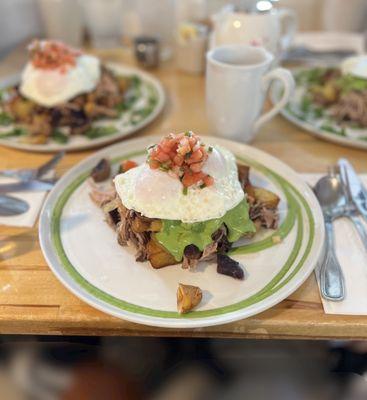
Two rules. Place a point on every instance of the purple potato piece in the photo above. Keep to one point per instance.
(192, 252)
(227, 266)
(101, 171)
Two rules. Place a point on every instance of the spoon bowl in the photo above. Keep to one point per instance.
(10, 206)
(330, 194)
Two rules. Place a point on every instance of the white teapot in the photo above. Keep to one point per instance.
(273, 30)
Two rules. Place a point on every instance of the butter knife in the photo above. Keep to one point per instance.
(357, 190)
(26, 186)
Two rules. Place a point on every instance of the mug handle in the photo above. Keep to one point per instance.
(288, 22)
(286, 78)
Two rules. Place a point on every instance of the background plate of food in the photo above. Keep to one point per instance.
(67, 100)
(181, 232)
(331, 102)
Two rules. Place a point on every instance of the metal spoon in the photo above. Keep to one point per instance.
(330, 194)
(10, 205)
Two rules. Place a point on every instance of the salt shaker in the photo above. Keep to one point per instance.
(146, 50)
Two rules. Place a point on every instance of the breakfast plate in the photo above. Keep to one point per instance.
(319, 119)
(82, 250)
(148, 99)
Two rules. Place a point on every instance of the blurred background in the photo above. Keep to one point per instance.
(164, 368)
(180, 369)
(114, 22)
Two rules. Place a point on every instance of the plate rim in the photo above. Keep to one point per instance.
(99, 142)
(314, 130)
(57, 267)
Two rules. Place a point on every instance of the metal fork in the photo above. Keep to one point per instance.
(350, 210)
(28, 174)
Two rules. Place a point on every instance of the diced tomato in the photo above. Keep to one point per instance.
(182, 155)
(184, 149)
(196, 167)
(128, 164)
(195, 157)
(192, 141)
(178, 160)
(208, 180)
(187, 179)
(51, 54)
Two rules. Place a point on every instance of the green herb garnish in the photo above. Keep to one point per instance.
(13, 133)
(210, 149)
(332, 129)
(59, 136)
(164, 167)
(5, 119)
(349, 82)
(135, 81)
(185, 191)
(100, 131)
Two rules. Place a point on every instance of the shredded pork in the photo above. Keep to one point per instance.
(351, 106)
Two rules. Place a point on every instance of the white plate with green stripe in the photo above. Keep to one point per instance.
(82, 250)
(146, 99)
(315, 119)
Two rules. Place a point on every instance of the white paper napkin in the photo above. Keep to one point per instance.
(330, 41)
(28, 219)
(352, 257)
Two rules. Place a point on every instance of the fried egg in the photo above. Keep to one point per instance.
(356, 66)
(51, 87)
(156, 194)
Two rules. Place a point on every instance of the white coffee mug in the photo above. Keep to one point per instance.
(237, 80)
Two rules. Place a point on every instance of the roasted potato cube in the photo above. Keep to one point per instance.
(188, 297)
(123, 83)
(250, 191)
(158, 255)
(155, 225)
(145, 225)
(34, 139)
(266, 197)
(139, 225)
(330, 92)
(40, 125)
(22, 109)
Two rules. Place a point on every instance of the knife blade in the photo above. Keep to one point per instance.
(357, 190)
(26, 186)
(50, 164)
(29, 174)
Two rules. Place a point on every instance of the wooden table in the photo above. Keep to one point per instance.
(32, 301)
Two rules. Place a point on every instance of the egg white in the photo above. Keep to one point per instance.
(356, 66)
(49, 88)
(155, 194)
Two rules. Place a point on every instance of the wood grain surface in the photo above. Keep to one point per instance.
(32, 301)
